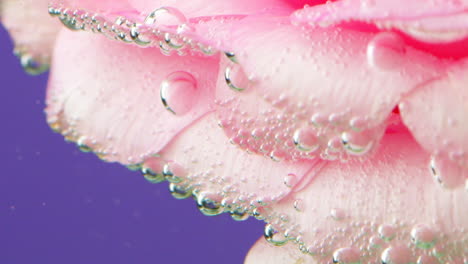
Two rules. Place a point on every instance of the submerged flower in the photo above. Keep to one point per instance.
(341, 124)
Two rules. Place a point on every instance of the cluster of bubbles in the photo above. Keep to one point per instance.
(387, 244)
(284, 131)
(181, 186)
(165, 27)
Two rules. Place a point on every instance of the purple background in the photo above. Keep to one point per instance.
(58, 205)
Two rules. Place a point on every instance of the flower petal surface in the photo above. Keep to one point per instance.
(197, 8)
(384, 210)
(123, 102)
(429, 21)
(436, 114)
(297, 93)
(205, 163)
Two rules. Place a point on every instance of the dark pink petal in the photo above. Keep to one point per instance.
(384, 210)
(108, 96)
(293, 93)
(429, 21)
(32, 30)
(202, 161)
(436, 113)
(301, 3)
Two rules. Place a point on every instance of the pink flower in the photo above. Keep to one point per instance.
(325, 120)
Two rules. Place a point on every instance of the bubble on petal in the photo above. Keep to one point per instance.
(235, 78)
(397, 255)
(273, 236)
(348, 255)
(449, 174)
(180, 191)
(306, 139)
(387, 232)
(209, 204)
(385, 51)
(423, 236)
(179, 92)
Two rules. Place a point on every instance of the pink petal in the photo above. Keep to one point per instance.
(33, 31)
(434, 21)
(197, 8)
(107, 96)
(384, 210)
(204, 162)
(334, 86)
(166, 27)
(436, 113)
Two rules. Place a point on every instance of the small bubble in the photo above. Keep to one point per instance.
(178, 92)
(358, 143)
(385, 51)
(347, 256)
(290, 180)
(423, 236)
(396, 255)
(173, 172)
(387, 232)
(209, 204)
(425, 259)
(235, 78)
(274, 237)
(338, 214)
(240, 215)
(448, 173)
(306, 139)
(375, 242)
(299, 205)
(179, 192)
(318, 120)
(278, 155)
(31, 65)
(152, 176)
(168, 16)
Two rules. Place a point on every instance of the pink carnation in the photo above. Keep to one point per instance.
(341, 124)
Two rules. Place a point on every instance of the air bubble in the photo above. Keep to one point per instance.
(358, 143)
(299, 205)
(306, 139)
(167, 16)
(347, 256)
(385, 51)
(179, 191)
(179, 92)
(387, 232)
(209, 204)
(290, 180)
(273, 236)
(426, 259)
(396, 255)
(235, 78)
(423, 236)
(151, 176)
(239, 215)
(173, 172)
(375, 242)
(30, 65)
(448, 173)
(338, 214)
(81, 143)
